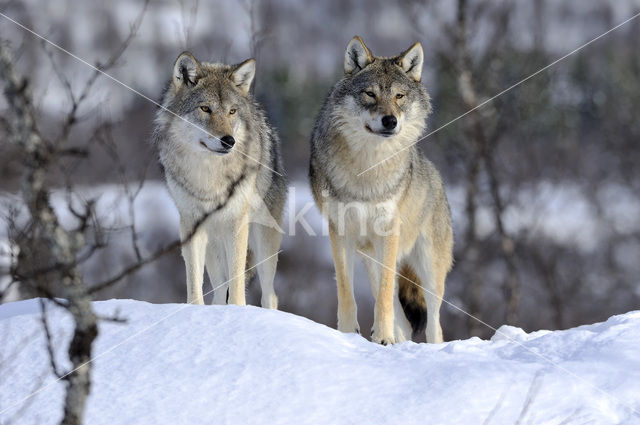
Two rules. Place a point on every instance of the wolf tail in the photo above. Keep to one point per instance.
(411, 297)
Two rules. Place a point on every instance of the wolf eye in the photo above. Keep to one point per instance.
(370, 94)
(232, 111)
(205, 109)
(399, 96)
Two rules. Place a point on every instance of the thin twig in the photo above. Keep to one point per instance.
(156, 255)
(531, 394)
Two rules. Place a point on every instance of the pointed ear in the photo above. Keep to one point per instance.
(242, 75)
(186, 70)
(411, 61)
(357, 56)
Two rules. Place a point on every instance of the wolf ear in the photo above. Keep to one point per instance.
(186, 70)
(411, 61)
(242, 75)
(357, 56)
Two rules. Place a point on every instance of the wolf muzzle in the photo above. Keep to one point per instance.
(220, 146)
(386, 127)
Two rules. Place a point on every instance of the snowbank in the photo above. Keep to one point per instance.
(183, 364)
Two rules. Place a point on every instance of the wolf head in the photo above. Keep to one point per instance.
(210, 100)
(382, 97)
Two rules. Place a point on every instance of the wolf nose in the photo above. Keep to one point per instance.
(389, 122)
(228, 141)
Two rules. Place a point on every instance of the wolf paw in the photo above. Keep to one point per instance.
(348, 326)
(349, 329)
(269, 301)
(380, 338)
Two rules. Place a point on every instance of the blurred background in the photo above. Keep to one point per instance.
(543, 181)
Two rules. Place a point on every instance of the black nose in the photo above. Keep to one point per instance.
(228, 141)
(389, 122)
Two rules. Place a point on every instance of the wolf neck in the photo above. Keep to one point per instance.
(372, 170)
(204, 176)
(370, 151)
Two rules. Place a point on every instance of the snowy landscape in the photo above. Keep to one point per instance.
(184, 364)
(534, 130)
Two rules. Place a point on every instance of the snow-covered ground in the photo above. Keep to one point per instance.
(183, 364)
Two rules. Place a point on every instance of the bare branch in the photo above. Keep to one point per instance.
(531, 394)
(156, 255)
(48, 239)
(77, 101)
(105, 138)
(47, 333)
(496, 407)
(46, 246)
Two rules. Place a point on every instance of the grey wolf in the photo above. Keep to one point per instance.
(222, 165)
(395, 215)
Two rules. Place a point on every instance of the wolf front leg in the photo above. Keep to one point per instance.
(343, 261)
(383, 321)
(237, 247)
(193, 252)
(216, 265)
(401, 325)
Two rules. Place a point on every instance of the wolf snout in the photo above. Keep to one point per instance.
(216, 145)
(228, 141)
(389, 122)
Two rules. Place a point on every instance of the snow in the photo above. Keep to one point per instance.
(184, 364)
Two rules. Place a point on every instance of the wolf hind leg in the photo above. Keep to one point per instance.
(401, 327)
(193, 252)
(432, 276)
(216, 264)
(265, 243)
(413, 307)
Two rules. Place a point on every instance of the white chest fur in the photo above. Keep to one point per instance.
(363, 221)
